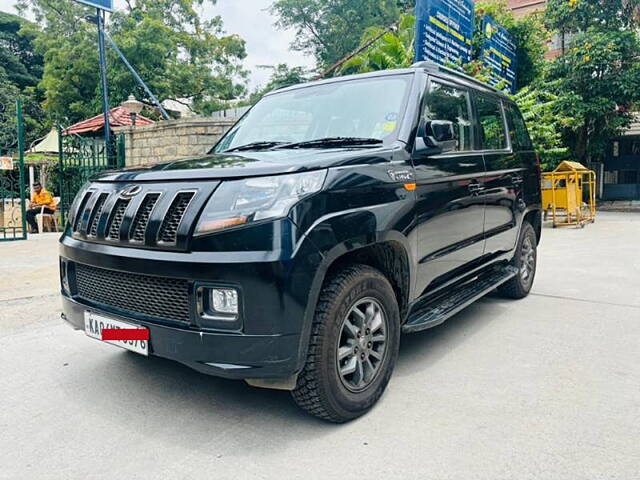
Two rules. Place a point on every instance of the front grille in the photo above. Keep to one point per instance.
(116, 220)
(142, 295)
(154, 217)
(170, 224)
(142, 217)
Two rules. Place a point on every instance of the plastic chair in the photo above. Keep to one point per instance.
(50, 217)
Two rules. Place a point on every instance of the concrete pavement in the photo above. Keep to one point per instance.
(547, 387)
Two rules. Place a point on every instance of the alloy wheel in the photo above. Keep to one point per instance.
(362, 344)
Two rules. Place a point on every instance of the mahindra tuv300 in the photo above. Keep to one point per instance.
(331, 218)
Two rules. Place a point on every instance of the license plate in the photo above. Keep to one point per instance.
(94, 324)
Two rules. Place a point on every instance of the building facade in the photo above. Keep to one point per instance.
(621, 168)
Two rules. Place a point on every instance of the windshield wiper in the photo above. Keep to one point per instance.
(255, 146)
(332, 142)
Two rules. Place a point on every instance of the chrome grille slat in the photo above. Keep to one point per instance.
(79, 214)
(132, 293)
(96, 214)
(117, 216)
(171, 223)
(142, 217)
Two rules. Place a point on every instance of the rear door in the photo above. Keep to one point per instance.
(449, 208)
(502, 184)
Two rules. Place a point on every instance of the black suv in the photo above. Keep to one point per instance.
(331, 218)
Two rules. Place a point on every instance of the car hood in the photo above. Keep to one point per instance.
(250, 164)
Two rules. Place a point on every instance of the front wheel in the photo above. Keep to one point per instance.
(525, 260)
(353, 348)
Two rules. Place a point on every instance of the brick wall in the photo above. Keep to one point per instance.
(170, 140)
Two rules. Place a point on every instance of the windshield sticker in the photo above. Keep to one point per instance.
(391, 117)
(389, 126)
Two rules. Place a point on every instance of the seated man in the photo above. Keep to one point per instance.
(40, 198)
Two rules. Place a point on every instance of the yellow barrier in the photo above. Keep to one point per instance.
(569, 193)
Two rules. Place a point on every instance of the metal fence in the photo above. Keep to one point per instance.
(80, 159)
(12, 176)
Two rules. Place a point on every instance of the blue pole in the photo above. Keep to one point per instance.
(137, 77)
(105, 91)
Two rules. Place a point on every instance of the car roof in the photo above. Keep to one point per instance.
(429, 67)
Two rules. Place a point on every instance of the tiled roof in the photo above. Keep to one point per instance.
(118, 117)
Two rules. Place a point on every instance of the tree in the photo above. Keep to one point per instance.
(599, 74)
(393, 49)
(22, 65)
(180, 56)
(331, 30)
(20, 72)
(8, 95)
(545, 121)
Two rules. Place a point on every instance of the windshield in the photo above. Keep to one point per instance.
(368, 108)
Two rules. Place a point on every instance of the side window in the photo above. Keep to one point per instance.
(518, 129)
(445, 103)
(492, 133)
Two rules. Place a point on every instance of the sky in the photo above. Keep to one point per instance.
(266, 45)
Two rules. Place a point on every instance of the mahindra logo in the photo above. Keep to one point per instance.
(131, 191)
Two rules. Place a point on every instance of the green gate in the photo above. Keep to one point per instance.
(80, 159)
(13, 225)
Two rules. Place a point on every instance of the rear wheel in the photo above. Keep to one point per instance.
(525, 260)
(353, 347)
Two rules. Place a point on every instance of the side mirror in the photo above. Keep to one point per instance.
(436, 136)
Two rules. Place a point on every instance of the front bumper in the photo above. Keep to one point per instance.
(223, 355)
(279, 289)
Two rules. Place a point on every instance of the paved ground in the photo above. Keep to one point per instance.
(545, 388)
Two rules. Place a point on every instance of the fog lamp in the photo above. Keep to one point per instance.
(224, 300)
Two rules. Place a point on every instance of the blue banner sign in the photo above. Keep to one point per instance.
(444, 30)
(499, 53)
(101, 4)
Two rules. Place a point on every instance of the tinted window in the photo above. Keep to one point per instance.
(450, 104)
(492, 133)
(517, 129)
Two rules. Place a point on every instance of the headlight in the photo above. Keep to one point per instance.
(239, 202)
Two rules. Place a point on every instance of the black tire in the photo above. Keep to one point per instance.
(321, 389)
(520, 285)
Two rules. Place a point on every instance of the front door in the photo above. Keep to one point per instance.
(450, 207)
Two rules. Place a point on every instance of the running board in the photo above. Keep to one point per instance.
(436, 311)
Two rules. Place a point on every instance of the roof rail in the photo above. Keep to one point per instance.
(434, 67)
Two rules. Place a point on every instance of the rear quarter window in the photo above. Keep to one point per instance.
(518, 132)
(491, 123)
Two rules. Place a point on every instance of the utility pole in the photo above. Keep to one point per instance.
(105, 91)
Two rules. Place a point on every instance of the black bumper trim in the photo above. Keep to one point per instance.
(230, 355)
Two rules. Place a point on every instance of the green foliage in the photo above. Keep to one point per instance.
(331, 30)
(545, 121)
(394, 49)
(17, 57)
(8, 95)
(578, 15)
(178, 54)
(599, 75)
(20, 72)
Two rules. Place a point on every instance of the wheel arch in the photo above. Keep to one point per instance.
(534, 217)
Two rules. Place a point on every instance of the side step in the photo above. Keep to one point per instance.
(438, 310)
